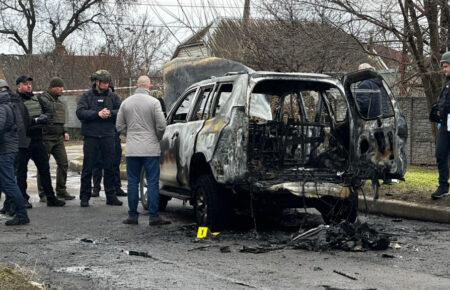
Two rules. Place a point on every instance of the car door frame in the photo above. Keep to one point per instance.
(370, 132)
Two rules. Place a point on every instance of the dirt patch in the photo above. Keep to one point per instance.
(12, 279)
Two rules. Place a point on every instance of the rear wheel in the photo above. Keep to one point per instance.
(211, 203)
(335, 210)
(143, 194)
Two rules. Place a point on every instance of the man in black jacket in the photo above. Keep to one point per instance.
(9, 146)
(32, 146)
(441, 116)
(97, 111)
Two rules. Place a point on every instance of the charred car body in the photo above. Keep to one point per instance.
(279, 140)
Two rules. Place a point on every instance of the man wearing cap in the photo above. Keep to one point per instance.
(54, 135)
(97, 111)
(9, 146)
(34, 119)
(441, 116)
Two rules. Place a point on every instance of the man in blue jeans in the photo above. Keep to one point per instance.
(143, 119)
(9, 146)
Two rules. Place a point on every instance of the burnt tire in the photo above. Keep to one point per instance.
(334, 210)
(143, 194)
(211, 203)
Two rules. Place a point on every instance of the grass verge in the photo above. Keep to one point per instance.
(13, 279)
(420, 182)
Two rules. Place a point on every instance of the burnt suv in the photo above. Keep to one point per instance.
(270, 141)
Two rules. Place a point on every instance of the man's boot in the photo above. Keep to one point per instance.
(95, 193)
(84, 203)
(120, 192)
(440, 192)
(54, 202)
(18, 220)
(65, 195)
(28, 204)
(42, 198)
(113, 200)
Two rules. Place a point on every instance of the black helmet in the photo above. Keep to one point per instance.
(101, 75)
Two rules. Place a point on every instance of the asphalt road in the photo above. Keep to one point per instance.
(52, 247)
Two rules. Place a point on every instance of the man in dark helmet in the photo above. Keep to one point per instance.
(441, 114)
(97, 111)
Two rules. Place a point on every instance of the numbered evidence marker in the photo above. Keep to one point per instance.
(202, 233)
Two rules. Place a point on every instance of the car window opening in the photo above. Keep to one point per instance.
(297, 124)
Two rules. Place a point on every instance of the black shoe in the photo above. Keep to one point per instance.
(158, 221)
(113, 201)
(11, 211)
(130, 221)
(3, 210)
(95, 193)
(28, 204)
(42, 198)
(18, 221)
(440, 192)
(120, 192)
(84, 203)
(54, 202)
(65, 195)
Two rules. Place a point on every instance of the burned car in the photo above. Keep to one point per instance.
(267, 141)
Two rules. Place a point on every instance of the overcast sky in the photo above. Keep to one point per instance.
(167, 13)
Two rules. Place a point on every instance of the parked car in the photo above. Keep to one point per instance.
(268, 141)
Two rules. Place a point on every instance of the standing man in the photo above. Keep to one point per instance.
(34, 119)
(54, 135)
(142, 118)
(97, 173)
(441, 116)
(97, 111)
(9, 146)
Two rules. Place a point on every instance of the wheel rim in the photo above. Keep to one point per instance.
(143, 190)
(201, 207)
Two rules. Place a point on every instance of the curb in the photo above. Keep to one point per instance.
(393, 208)
(77, 166)
(407, 210)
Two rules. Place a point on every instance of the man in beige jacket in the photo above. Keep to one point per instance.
(141, 116)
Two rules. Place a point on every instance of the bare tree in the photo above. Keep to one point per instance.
(423, 27)
(18, 21)
(138, 43)
(21, 20)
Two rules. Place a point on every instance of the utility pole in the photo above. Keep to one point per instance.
(246, 11)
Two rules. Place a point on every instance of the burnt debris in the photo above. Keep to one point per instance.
(344, 236)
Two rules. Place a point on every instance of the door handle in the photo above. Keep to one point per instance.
(175, 135)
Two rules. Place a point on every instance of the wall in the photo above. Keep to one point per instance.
(421, 144)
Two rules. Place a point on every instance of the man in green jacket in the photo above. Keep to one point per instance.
(54, 135)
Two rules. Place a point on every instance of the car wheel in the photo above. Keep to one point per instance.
(143, 194)
(335, 210)
(211, 203)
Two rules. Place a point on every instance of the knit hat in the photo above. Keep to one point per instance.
(446, 58)
(56, 83)
(3, 84)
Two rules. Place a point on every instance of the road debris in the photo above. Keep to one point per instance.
(344, 236)
(140, 254)
(225, 249)
(259, 249)
(201, 248)
(345, 275)
(388, 256)
(89, 241)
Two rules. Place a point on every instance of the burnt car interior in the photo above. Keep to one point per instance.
(297, 124)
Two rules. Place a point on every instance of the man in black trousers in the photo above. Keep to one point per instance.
(97, 111)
